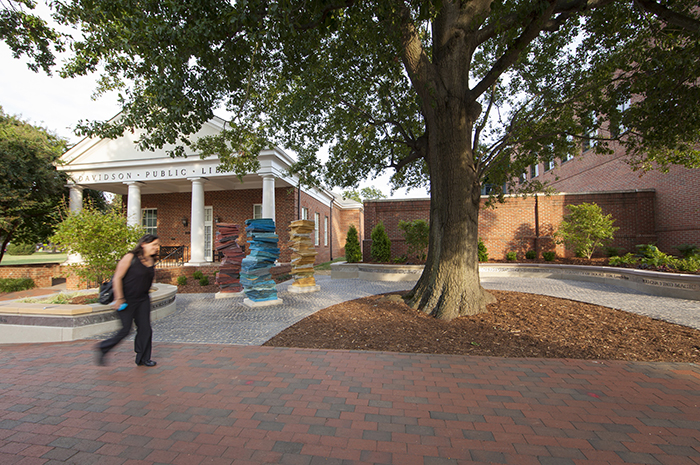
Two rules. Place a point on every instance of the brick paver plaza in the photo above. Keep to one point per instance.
(218, 403)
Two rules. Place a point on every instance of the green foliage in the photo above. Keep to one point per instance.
(483, 252)
(21, 249)
(16, 284)
(101, 239)
(585, 229)
(653, 257)
(400, 259)
(687, 250)
(628, 259)
(612, 251)
(417, 235)
(181, 280)
(204, 281)
(530, 254)
(353, 254)
(197, 275)
(549, 256)
(511, 256)
(366, 193)
(381, 245)
(31, 189)
(689, 264)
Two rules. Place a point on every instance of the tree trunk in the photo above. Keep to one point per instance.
(450, 286)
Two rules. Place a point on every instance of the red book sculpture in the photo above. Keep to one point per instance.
(228, 277)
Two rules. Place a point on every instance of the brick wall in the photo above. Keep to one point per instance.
(677, 199)
(522, 224)
(41, 274)
(342, 219)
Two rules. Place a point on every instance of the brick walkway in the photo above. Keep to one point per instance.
(225, 404)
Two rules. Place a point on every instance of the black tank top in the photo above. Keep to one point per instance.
(137, 281)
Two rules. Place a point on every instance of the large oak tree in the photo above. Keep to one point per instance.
(447, 93)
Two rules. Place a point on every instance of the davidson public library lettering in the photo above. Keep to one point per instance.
(150, 174)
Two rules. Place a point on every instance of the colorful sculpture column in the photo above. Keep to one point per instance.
(228, 277)
(259, 287)
(303, 257)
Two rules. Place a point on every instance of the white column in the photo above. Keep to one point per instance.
(76, 206)
(76, 198)
(133, 204)
(268, 197)
(197, 223)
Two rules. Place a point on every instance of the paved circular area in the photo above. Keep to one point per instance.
(200, 318)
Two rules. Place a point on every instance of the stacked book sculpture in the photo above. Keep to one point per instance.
(228, 277)
(259, 287)
(303, 256)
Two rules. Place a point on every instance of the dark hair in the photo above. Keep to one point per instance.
(146, 239)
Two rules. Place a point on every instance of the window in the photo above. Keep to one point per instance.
(534, 171)
(619, 128)
(304, 213)
(257, 211)
(317, 220)
(149, 220)
(523, 177)
(208, 233)
(588, 141)
(549, 165)
(325, 231)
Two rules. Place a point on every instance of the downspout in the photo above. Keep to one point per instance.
(330, 233)
(537, 225)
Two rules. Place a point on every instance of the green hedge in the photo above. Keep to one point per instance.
(16, 284)
(21, 249)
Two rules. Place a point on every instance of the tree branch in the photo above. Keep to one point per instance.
(684, 22)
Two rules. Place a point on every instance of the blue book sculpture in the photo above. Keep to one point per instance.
(256, 279)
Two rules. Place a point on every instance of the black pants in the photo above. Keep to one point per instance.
(139, 313)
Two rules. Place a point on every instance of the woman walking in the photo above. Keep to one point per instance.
(131, 283)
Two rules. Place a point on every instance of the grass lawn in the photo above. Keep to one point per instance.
(38, 257)
(327, 265)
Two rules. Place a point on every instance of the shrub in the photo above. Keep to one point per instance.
(530, 254)
(21, 249)
(612, 251)
(204, 281)
(353, 254)
(381, 245)
(483, 252)
(181, 280)
(101, 239)
(585, 229)
(400, 259)
(16, 284)
(197, 274)
(417, 235)
(689, 265)
(549, 256)
(626, 260)
(687, 250)
(653, 257)
(511, 256)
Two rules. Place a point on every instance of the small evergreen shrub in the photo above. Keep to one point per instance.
(16, 284)
(511, 256)
(400, 259)
(689, 265)
(381, 245)
(181, 280)
(198, 274)
(483, 252)
(530, 254)
(353, 254)
(21, 249)
(204, 281)
(549, 256)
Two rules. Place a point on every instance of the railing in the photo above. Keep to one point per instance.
(173, 255)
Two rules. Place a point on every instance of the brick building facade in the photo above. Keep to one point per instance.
(677, 199)
(522, 224)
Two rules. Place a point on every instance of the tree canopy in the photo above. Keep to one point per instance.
(446, 93)
(31, 189)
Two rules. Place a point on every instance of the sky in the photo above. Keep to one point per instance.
(58, 104)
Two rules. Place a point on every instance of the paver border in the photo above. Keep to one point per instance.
(676, 285)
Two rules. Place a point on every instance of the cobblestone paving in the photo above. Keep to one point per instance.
(200, 318)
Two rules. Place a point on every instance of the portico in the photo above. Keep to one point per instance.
(183, 198)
